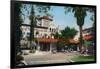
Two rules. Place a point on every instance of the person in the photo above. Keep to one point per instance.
(33, 44)
(54, 51)
(66, 49)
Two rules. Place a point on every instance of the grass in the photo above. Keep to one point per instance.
(81, 58)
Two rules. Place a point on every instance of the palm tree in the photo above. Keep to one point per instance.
(79, 14)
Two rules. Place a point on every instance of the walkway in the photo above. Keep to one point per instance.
(47, 58)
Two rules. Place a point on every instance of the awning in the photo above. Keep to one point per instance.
(88, 37)
(71, 41)
(51, 40)
(47, 40)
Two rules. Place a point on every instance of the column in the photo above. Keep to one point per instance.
(50, 47)
(38, 47)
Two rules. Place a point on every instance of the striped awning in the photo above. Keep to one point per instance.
(88, 37)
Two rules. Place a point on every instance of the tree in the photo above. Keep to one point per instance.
(32, 10)
(79, 14)
(57, 35)
(18, 22)
(40, 9)
(93, 10)
(32, 22)
(68, 33)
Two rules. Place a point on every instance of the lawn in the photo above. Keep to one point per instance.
(81, 58)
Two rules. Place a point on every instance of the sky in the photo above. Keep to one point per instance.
(62, 20)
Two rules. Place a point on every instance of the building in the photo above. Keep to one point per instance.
(45, 28)
(88, 37)
(43, 34)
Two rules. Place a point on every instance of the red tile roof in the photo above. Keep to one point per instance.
(50, 40)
